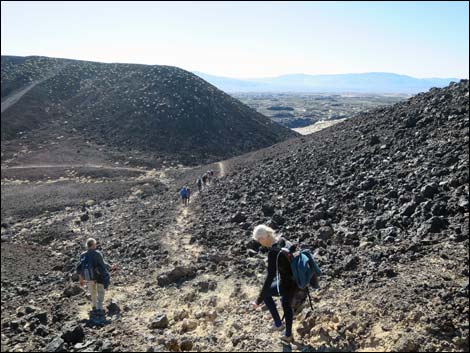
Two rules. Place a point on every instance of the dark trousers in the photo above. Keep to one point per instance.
(286, 306)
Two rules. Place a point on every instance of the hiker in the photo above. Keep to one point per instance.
(93, 270)
(189, 194)
(279, 280)
(184, 195)
(209, 176)
(199, 184)
(204, 180)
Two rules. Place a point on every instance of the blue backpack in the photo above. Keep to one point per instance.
(85, 268)
(305, 271)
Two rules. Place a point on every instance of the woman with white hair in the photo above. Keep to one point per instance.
(279, 280)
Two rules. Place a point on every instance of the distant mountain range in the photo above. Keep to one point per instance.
(370, 82)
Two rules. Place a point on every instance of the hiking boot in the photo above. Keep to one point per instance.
(287, 339)
(274, 327)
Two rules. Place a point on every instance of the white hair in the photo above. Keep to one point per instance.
(90, 242)
(263, 232)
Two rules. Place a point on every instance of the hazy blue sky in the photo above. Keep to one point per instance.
(422, 39)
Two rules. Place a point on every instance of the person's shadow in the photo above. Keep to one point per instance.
(95, 321)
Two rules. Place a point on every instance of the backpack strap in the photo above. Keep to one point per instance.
(286, 252)
(278, 277)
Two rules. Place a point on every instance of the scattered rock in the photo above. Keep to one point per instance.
(56, 345)
(73, 333)
(325, 233)
(73, 290)
(160, 321)
(189, 325)
(238, 217)
(176, 275)
(113, 307)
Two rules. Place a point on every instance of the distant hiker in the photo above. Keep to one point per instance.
(184, 195)
(93, 270)
(204, 179)
(209, 176)
(199, 184)
(284, 286)
(213, 175)
(189, 194)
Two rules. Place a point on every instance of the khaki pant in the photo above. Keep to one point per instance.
(97, 294)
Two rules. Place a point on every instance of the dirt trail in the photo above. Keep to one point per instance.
(221, 169)
(98, 166)
(178, 241)
(216, 319)
(16, 96)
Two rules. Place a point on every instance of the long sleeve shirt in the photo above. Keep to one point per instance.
(287, 285)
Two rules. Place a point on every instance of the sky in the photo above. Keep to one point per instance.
(248, 40)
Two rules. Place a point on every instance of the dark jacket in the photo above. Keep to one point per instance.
(100, 267)
(287, 285)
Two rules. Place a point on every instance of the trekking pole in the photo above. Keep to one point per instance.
(309, 298)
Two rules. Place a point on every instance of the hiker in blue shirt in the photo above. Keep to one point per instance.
(284, 286)
(184, 195)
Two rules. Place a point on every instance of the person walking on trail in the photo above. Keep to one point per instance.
(184, 195)
(94, 272)
(189, 194)
(279, 280)
(199, 184)
(204, 180)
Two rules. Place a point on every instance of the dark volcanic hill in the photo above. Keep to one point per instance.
(384, 199)
(157, 109)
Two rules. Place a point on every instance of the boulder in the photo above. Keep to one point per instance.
(429, 190)
(113, 307)
(186, 345)
(238, 217)
(56, 345)
(268, 210)
(160, 321)
(433, 225)
(278, 218)
(73, 333)
(40, 316)
(351, 262)
(408, 208)
(374, 140)
(189, 325)
(73, 290)
(325, 233)
(176, 275)
(368, 184)
(41, 330)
